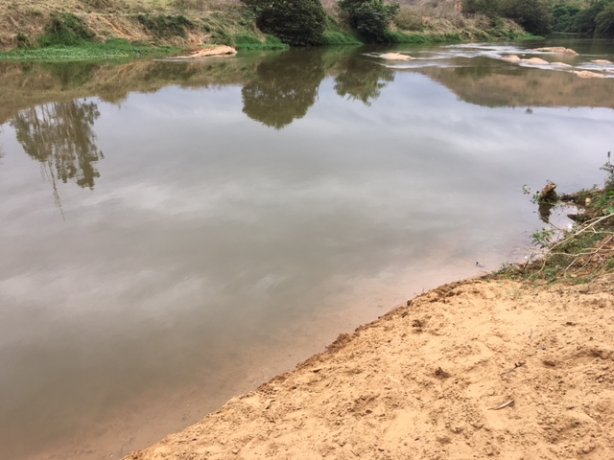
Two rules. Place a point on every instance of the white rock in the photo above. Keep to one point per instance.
(396, 57)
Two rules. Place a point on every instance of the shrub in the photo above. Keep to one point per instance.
(295, 22)
(370, 18)
(66, 29)
(407, 19)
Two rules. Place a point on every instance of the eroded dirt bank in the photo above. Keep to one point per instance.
(479, 369)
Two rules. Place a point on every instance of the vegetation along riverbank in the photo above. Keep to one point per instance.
(114, 29)
(516, 364)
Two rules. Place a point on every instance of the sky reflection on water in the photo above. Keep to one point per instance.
(188, 242)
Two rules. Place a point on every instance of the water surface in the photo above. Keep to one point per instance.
(175, 233)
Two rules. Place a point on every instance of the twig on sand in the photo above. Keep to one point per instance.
(516, 366)
(508, 403)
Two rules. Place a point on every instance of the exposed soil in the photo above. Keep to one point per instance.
(480, 369)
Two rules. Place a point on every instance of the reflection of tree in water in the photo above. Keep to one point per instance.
(60, 136)
(362, 79)
(73, 74)
(285, 88)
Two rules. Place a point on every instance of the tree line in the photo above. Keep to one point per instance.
(586, 17)
(303, 22)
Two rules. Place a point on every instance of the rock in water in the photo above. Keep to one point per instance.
(557, 50)
(396, 57)
(534, 61)
(548, 193)
(512, 59)
(221, 50)
(588, 74)
(561, 65)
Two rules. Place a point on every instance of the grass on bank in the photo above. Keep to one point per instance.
(251, 42)
(337, 35)
(582, 254)
(88, 51)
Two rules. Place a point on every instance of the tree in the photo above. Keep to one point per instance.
(295, 22)
(604, 22)
(532, 15)
(563, 17)
(370, 18)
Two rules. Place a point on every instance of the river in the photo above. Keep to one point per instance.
(172, 234)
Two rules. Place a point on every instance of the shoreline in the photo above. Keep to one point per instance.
(515, 364)
(113, 30)
(440, 367)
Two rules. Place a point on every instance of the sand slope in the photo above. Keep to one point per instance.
(423, 381)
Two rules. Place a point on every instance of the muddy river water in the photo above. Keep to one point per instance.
(172, 234)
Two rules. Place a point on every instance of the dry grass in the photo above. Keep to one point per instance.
(115, 18)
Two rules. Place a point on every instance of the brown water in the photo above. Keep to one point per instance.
(173, 234)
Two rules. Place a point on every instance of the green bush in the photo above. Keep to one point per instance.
(295, 22)
(604, 22)
(66, 29)
(370, 18)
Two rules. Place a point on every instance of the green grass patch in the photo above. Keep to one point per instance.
(336, 34)
(417, 38)
(340, 38)
(111, 50)
(529, 38)
(251, 42)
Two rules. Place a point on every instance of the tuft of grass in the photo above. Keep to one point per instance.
(23, 40)
(340, 38)
(112, 50)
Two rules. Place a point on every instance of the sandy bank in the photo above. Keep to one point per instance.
(479, 369)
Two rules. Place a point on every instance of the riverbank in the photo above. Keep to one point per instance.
(110, 30)
(514, 365)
